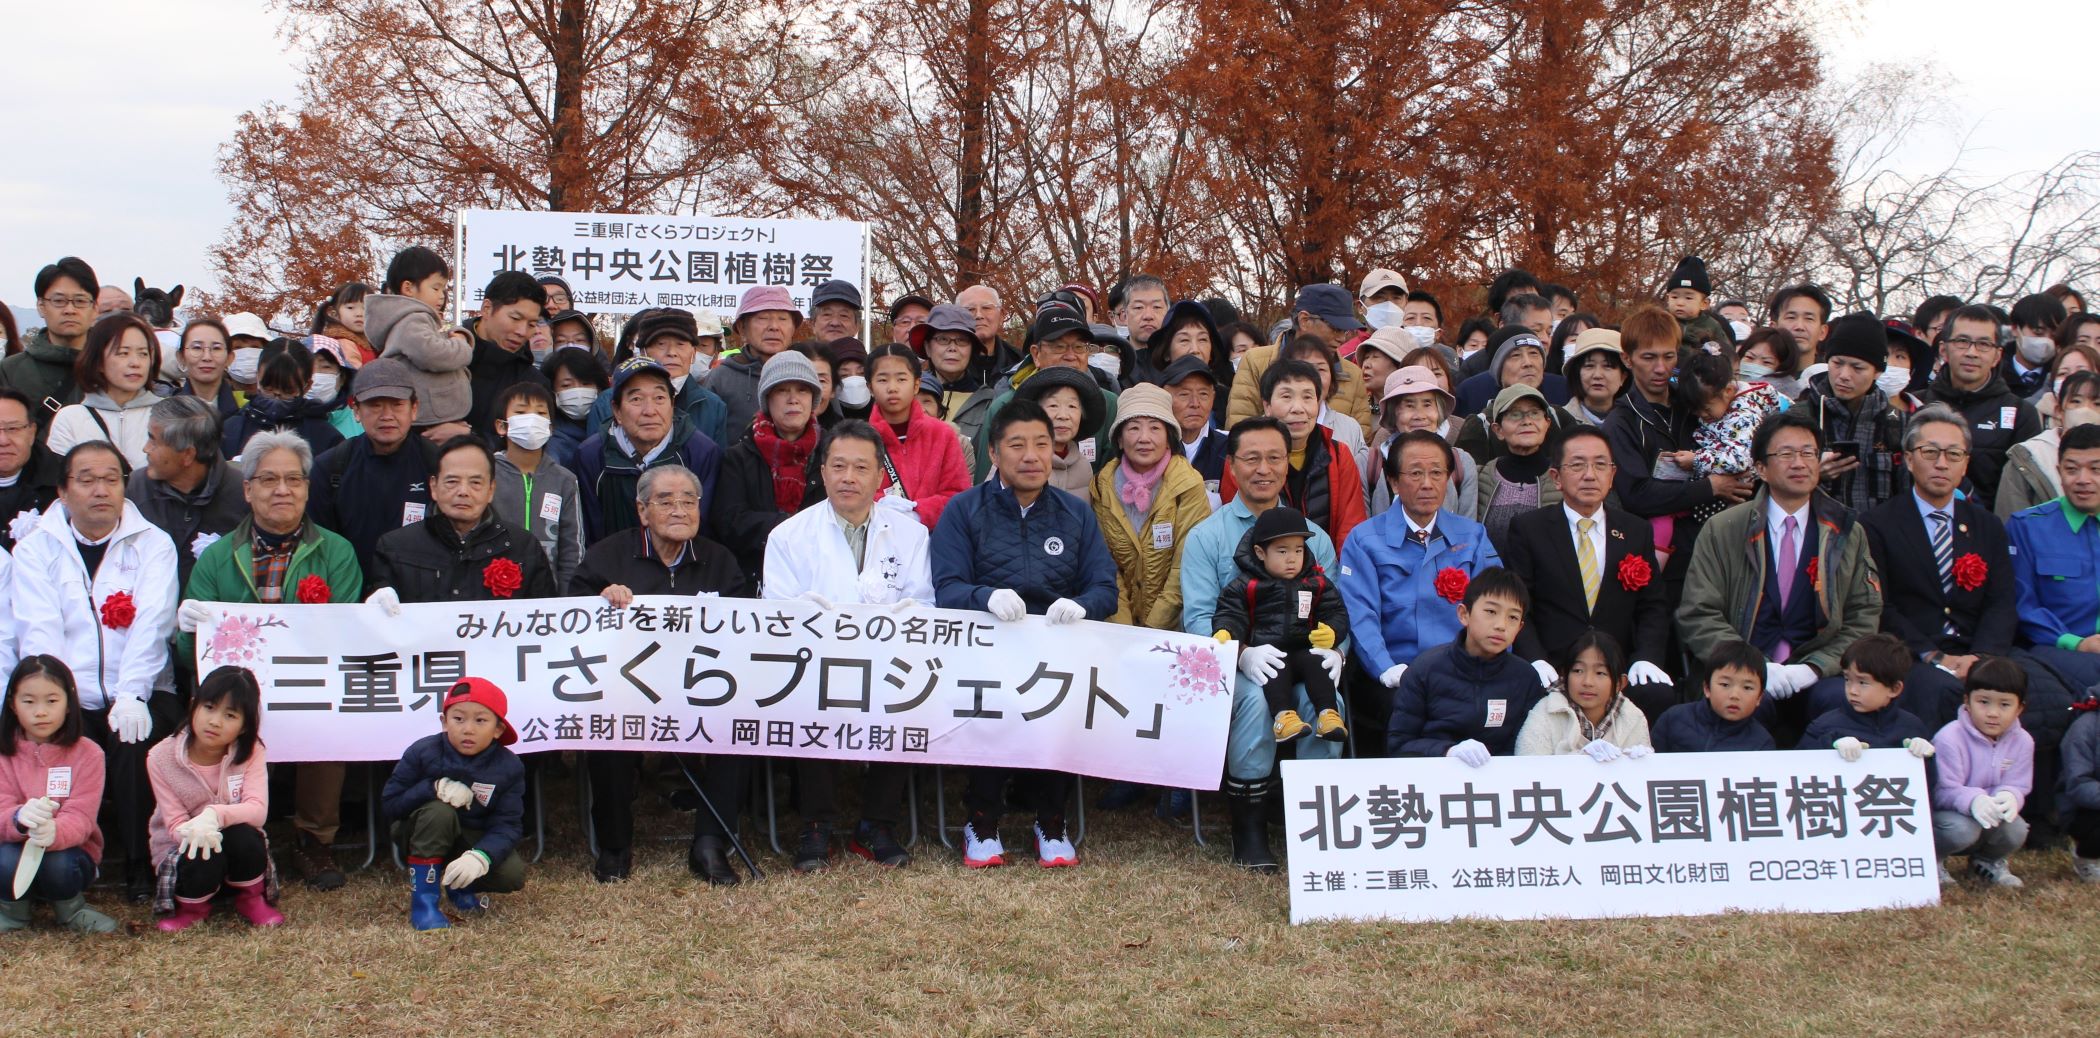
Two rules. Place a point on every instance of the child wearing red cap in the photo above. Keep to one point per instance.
(459, 795)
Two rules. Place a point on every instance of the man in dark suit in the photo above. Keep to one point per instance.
(1947, 585)
(1589, 566)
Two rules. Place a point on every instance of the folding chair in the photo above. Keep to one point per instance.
(371, 842)
(911, 805)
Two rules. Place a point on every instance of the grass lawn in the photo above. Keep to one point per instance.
(1151, 936)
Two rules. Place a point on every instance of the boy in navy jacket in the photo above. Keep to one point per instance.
(1468, 698)
(1735, 682)
(460, 795)
(1282, 601)
(1870, 718)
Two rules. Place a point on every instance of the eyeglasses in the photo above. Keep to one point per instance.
(275, 481)
(1792, 454)
(1965, 343)
(69, 302)
(1933, 455)
(675, 502)
(1523, 417)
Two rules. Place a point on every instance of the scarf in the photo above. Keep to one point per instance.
(1593, 732)
(789, 460)
(1138, 484)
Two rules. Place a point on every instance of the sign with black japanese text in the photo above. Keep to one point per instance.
(618, 264)
(725, 675)
(1426, 839)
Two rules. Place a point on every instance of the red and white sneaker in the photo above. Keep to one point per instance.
(982, 851)
(1055, 852)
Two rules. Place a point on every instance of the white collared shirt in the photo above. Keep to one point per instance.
(1596, 534)
(1775, 523)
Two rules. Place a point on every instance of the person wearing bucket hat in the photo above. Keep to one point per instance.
(1193, 387)
(671, 338)
(1595, 372)
(1414, 399)
(1147, 499)
(646, 431)
(907, 312)
(769, 475)
(1517, 481)
(1860, 425)
(1074, 403)
(1383, 353)
(1324, 312)
(766, 323)
(1059, 338)
(457, 804)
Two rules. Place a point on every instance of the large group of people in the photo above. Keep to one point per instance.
(1526, 531)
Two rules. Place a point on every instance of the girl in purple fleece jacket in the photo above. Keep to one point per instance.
(1986, 769)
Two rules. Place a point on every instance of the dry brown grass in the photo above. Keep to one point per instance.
(1152, 936)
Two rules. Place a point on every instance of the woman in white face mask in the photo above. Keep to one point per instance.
(578, 378)
(2072, 360)
(284, 380)
(1771, 356)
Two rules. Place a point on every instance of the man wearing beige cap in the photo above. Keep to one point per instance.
(1382, 296)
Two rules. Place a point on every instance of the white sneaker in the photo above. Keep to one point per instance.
(1055, 853)
(2088, 869)
(1994, 873)
(1946, 878)
(982, 852)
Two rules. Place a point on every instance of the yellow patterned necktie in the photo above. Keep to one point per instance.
(1586, 557)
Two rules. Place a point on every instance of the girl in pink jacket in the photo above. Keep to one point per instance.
(213, 794)
(50, 791)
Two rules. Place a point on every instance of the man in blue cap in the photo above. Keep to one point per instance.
(1322, 311)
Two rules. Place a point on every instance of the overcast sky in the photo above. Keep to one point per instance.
(113, 157)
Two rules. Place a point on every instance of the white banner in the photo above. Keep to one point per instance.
(618, 264)
(725, 675)
(1565, 837)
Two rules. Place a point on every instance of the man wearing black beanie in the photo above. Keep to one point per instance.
(1861, 428)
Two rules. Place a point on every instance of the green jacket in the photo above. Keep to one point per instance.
(42, 369)
(226, 573)
(1726, 582)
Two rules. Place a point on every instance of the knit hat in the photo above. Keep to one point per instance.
(1280, 521)
(482, 692)
(842, 350)
(1593, 340)
(1509, 340)
(638, 365)
(660, 323)
(766, 297)
(1690, 273)
(946, 317)
(1860, 336)
(1091, 407)
(785, 367)
(836, 291)
(1508, 398)
(1144, 400)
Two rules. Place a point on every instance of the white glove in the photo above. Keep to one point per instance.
(457, 794)
(129, 719)
(899, 503)
(199, 837)
(1006, 605)
(1331, 662)
(1643, 673)
(1547, 675)
(387, 599)
(466, 870)
(1986, 811)
(819, 600)
(192, 615)
(1919, 748)
(1393, 674)
(36, 813)
(1065, 611)
(1798, 677)
(1849, 748)
(43, 834)
(1775, 680)
(1636, 752)
(1472, 753)
(1602, 751)
(903, 605)
(2008, 804)
(1260, 662)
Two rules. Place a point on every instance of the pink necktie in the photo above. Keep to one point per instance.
(1789, 561)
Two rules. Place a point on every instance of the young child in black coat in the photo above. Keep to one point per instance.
(1282, 605)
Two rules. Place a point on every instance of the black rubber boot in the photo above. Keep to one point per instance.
(1250, 826)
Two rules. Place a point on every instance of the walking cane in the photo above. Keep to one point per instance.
(729, 830)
